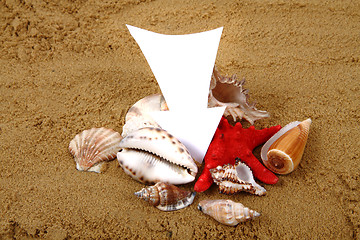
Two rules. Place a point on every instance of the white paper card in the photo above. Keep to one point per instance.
(182, 66)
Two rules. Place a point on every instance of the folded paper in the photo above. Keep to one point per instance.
(182, 66)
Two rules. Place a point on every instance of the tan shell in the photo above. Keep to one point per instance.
(229, 92)
(226, 211)
(236, 178)
(92, 147)
(166, 197)
(283, 152)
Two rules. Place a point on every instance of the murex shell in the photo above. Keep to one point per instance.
(229, 92)
(166, 197)
(91, 148)
(236, 178)
(153, 155)
(226, 211)
(282, 153)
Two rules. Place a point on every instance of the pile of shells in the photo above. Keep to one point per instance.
(151, 155)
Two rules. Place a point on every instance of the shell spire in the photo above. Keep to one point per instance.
(166, 197)
(227, 212)
(283, 152)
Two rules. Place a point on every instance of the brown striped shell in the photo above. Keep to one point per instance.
(91, 148)
(226, 211)
(236, 178)
(166, 197)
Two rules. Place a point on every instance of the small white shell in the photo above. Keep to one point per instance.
(92, 147)
(166, 197)
(154, 155)
(236, 178)
(226, 211)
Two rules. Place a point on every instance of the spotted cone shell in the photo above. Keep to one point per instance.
(166, 197)
(226, 211)
(91, 148)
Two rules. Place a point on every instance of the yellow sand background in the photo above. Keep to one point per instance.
(67, 66)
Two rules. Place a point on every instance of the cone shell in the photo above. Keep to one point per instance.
(166, 197)
(283, 152)
(91, 148)
(236, 178)
(226, 211)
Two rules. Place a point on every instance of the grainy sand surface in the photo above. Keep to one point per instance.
(67, 66)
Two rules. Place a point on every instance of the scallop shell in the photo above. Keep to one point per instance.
(226, 211)
(236, 178)
(229, 92)
(153, 155)
(138, 115)
(282, 153)
(92, 147)
(166, 197)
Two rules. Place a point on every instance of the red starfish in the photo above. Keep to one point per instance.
(230, 142)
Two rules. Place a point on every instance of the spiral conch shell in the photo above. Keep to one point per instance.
(236, 178)
(283, 152)
(226, 211)
(91, 148)
(166, 197)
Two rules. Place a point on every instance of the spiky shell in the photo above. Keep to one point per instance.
(91, 148)
(282, 153)
(228, 91)
(226, 211)
(154, 155)
(236, 178)
(166, 197)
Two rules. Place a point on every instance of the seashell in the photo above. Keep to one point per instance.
(282, 153)
(229, 92)
(236, 178)
(226, 211)
(138, 115)
(166, 197)
(92, 147)
(153, 155)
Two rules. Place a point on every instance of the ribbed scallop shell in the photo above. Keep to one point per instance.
(283, 152)
(166, 197)
(228, 91)
(92, 147)
(226, 211)
(236, 178)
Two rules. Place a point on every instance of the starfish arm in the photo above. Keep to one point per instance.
(204, 182)
(261, 136)
(259, 171)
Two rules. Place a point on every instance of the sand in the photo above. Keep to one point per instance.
(67, 66)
